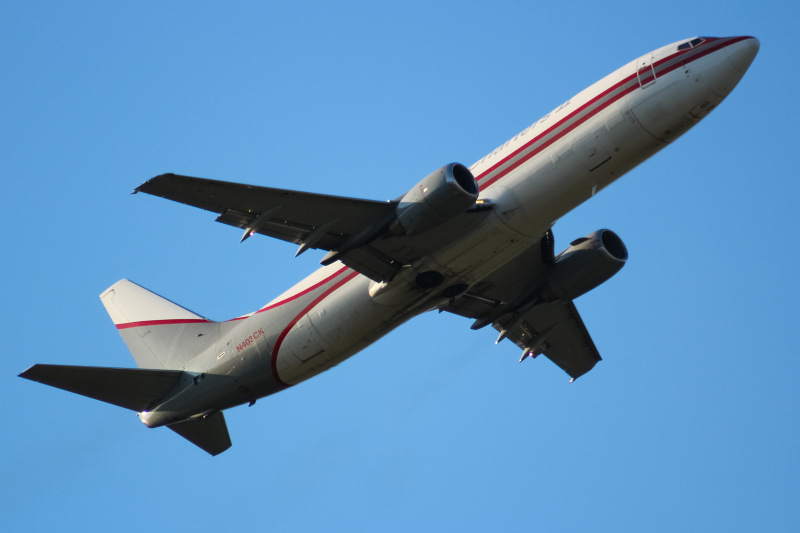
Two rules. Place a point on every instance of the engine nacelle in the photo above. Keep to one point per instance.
(587, 263)
(443, 194)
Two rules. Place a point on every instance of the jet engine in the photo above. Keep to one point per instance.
(440, 196)
(587, 263)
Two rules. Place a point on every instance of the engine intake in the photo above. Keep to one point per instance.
(440, 196)
(586, 264)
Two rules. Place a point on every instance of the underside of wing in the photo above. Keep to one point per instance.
(132, 388)
(510, 287)
(319, 220)
(516, 301)
(353, 231)
(557, 331)
(210, 433)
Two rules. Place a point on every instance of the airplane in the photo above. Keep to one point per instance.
(474, 241)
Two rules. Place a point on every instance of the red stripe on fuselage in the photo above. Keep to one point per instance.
(169, 322)
(692, 55)
(553, 130)
(696, 53)
(295, 320)
(549, 130)
(304, 291)
(163, 322)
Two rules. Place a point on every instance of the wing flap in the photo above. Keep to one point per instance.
(132, 388)
(209, 433)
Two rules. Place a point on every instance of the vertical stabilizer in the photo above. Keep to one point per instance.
(159, 333)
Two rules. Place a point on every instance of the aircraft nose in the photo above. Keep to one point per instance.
(743, 53)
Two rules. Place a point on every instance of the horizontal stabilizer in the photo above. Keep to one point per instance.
(131, 388)
(209, 433)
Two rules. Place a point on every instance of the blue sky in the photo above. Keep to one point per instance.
(691, 420)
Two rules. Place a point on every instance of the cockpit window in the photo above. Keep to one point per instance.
(690, 44)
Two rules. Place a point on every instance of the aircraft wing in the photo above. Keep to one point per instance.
(354, 231)
(557, 331)
(333, 223)
(284, 214)
(510, 302)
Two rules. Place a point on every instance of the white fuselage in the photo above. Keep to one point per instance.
(536, 177)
